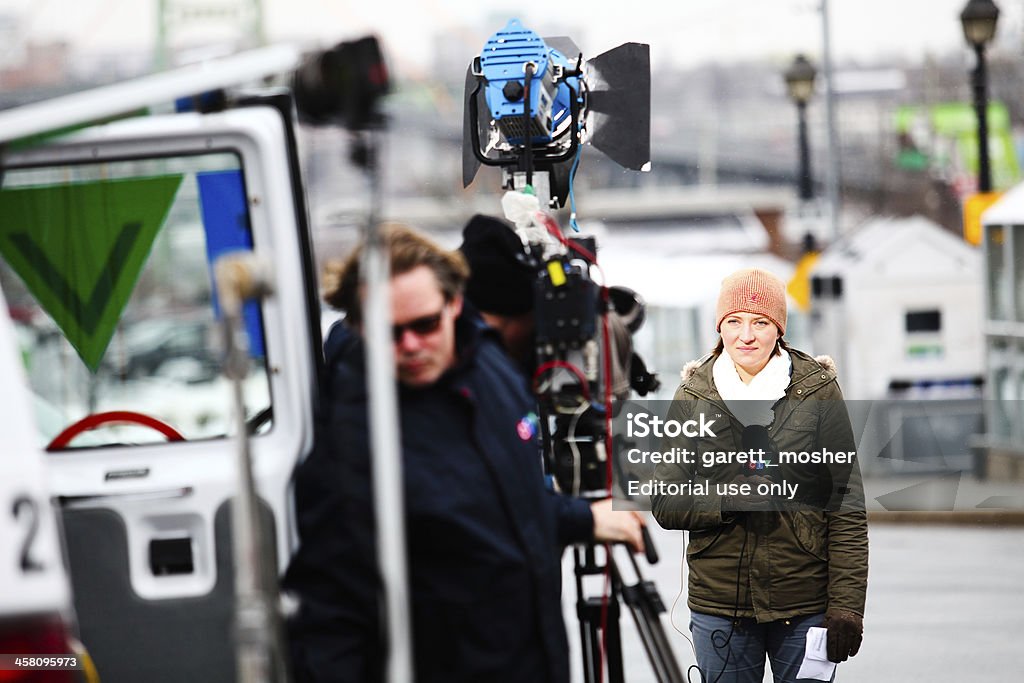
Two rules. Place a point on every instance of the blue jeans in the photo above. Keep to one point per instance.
(729, 652)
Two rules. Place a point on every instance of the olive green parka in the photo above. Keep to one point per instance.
(770, 565)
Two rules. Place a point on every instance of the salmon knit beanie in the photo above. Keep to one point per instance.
(752, 290)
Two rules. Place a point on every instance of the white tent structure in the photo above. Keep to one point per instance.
(899, 305)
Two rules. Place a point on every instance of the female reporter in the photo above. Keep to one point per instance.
(777, 545)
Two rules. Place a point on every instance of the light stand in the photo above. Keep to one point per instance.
(799, 79)
(979, 19)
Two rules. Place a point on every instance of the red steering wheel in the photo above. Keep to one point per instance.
(95, 420)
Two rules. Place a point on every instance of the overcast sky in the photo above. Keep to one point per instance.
(683, 31)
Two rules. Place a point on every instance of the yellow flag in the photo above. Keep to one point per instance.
(974, 206)
(799, 286)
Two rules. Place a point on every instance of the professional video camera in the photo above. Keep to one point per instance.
(585, 364)
(536, 102)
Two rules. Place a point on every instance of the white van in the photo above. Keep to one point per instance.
(107, 240)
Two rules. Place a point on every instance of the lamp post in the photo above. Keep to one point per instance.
(800, 86)
(979, 20)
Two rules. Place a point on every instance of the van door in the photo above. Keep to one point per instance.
(107, 240)
(36, 618)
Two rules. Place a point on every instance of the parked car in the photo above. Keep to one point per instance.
(159, 346)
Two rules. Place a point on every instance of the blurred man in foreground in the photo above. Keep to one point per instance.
(484, 535)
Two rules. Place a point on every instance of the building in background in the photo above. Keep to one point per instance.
(1000, 452)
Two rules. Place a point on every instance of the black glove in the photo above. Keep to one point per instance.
(752, 502)
(845, 632)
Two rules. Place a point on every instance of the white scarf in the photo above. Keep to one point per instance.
(752, 403)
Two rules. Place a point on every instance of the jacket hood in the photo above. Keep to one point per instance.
(826, 363)
(691, 367)
(697, 373)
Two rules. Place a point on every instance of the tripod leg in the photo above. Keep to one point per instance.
(590, 644)
(613, 639)
(592, 612)
(646, 607)
(590, 637)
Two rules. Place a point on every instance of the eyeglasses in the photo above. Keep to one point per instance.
(422, 326)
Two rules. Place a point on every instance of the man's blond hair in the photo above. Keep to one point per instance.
(408, 249)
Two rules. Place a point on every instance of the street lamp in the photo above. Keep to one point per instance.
(800, 86)
(979, 20)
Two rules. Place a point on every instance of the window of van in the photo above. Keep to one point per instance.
(108, 271)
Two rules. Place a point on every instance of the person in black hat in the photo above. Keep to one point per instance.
(500, 285)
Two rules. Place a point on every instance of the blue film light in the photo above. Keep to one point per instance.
(502, 64)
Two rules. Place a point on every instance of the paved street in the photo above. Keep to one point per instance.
(945, 603)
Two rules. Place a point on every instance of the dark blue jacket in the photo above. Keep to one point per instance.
(484, 535)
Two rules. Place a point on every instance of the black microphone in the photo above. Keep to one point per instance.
(756, 438)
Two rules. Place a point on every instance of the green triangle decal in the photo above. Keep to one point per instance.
(80, 248)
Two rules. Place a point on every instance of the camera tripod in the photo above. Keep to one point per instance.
(599, 616)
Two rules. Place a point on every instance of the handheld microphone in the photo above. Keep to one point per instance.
(756, 438)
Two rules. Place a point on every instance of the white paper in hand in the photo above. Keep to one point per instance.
(816, 664)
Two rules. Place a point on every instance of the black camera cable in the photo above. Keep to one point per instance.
(719, 638)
